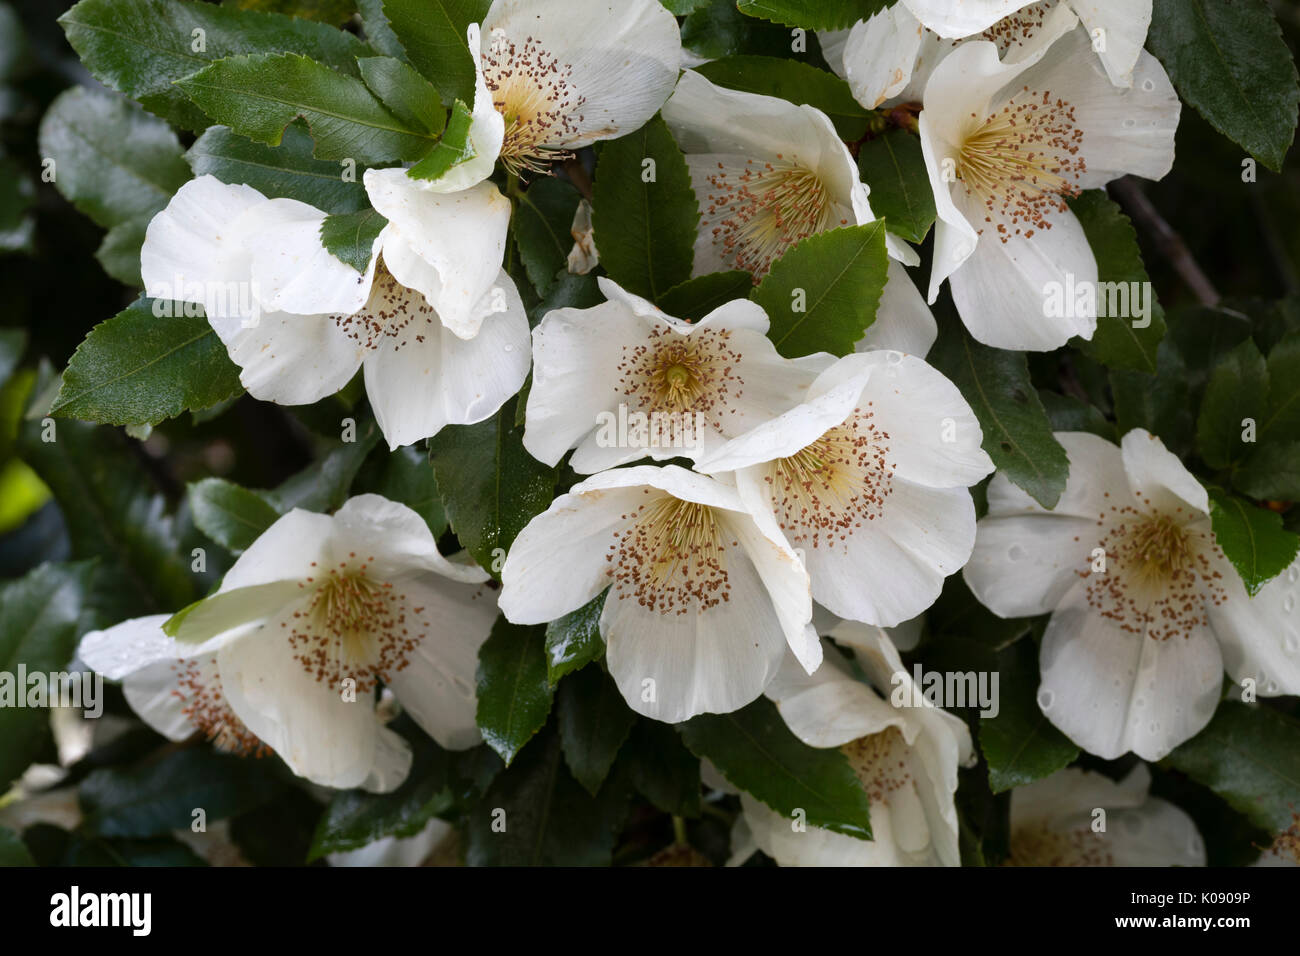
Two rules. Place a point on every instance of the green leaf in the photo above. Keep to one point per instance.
(645, 230)
(813, 14)
(821, 296)
(286, 171)
(142, 47)
(514, 697)
(1270, 474)
(350, 238)
(1118, 342)
(1017, 432)
(1250, 756)
(454, 148)
(798, 83)
(594, 721)
(433, 35)
(491, 487)
(1227, 58)
(536, 814)
(662, 769)
(139, 368)
(324, 485)
(229, 514)
(408, 95)
(543, 226)
(1252, 539)
(696, 298)
(756, 752)
(574, 641)
(1020, 743)
(892, 165)
(115, 163)
(1237, 390)
(258, 96)
(38, 630)
(716, 28)
(355, 818)
(13, 852)
(334, 12)
(158, 797)
(1069, 414)
(112, 513)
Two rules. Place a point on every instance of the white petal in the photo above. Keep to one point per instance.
(1111, 691)
(486, 131)
(880, 54)
(1260, 636)
(1002, 290)
(830, 707)
(419, 385)
(194, 240)
(294, 359)
(154, 693)
(460, 236)
(437, 687)
(1096, 470)
(963, 17)
(785, 579)
(620, 59)
(292, 270)
(394, 539)
(1157, 475)
(1023, 565)
(1124, 25)
(284, 551)
(321, 736)
(904, 323)
(814, 846)
(1125, 129)
(127, 647)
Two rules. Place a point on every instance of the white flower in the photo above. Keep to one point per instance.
(436, 324)
(868, 479)
(905, 757)
(1146, 611)
(622, 380)
(584, 256)
(553, 76)
(1054, 823)
(1004, 144)
(1117, 28)
(704, 597)
(768, 173)
(305, 624)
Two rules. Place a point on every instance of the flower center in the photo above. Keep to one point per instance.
(1158, 575)
(826, 490)
(673, 372)
(758, 210)
(1021, 161)
(203, 703)
(1041, 845)
(353, 626)
(672, 558)
(880, 762)
(532, 90)
(391, 312)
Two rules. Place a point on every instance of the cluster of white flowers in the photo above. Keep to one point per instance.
(807, 484)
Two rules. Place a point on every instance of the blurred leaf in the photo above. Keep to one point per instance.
(1020, 743)
(662, 769)
(13, 852)
(39, 614)
(644, 213)
(408, 478)
(1160, 405)
(822, 294)
(1237, 390)
(324, 485)
(756, 752)
(696, 298)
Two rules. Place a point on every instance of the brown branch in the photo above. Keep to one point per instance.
(1169, 243)
(577, 174)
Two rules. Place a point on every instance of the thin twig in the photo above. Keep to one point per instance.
(1168, 242)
